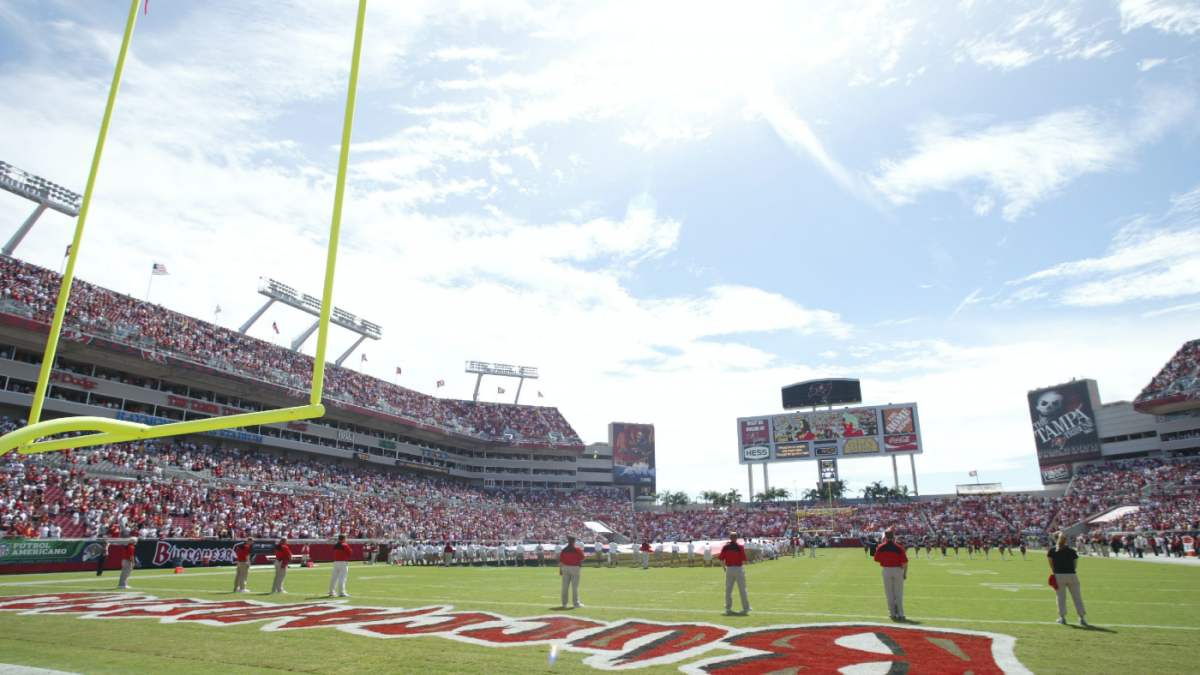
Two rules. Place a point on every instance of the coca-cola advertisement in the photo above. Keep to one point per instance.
(1064, 424)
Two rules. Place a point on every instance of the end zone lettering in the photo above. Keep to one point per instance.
(619, 645)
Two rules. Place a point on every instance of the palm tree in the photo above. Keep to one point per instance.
(733, 497)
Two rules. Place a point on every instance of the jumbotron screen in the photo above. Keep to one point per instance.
(633, 456)
(892, 429)
(837, 391)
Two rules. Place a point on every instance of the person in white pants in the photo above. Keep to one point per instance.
(341, 567)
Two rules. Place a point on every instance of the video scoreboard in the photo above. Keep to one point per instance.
(892, 429)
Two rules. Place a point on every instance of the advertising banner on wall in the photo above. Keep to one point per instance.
(849, 432)
(49, 551)
(633, 456)
(1064, 423)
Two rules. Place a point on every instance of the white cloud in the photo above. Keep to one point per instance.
(799, 135)
(1028, 162)
(1163, 15)
(1048, 29)
(1143, 263)
(1005, 56)
(1147, 64)
(971, 299)
(1190, 307)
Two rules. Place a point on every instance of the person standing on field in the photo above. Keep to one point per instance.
(570, 559)
(675, 554)
(644, 550)
(241, 553)
(613, 560)
(283, 556)
(102, 559)
(341, 567)
(691, 551)
(733, 560)
(708, 554)
(1062, 567)
(127, 562)
(892, 559)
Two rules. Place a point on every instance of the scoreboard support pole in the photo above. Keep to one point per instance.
(750, 476)
(895, 474)
(766, 479)
(913, 463)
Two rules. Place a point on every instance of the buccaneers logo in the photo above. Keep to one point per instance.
(819, 392)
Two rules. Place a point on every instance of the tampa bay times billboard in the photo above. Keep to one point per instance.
(633, 456)
(892, 429)
(1064, 427)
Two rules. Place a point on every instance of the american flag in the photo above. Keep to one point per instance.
(275, 326)
(973, 474)
(441, 383)
(398, 371)
(364, 357)
(499, 390)
(540, 395)
(159, 269)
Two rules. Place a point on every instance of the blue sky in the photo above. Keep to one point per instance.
(671, 208)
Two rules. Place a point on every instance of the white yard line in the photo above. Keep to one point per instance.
(549, 606)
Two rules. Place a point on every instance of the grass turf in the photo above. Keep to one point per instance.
(1145, 615)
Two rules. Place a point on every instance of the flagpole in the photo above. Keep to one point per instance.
(149, 284)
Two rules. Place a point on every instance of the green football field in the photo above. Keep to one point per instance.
(1145, 616)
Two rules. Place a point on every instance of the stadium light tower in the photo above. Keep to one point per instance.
(481, 368)
(277, 292)
(40, 191)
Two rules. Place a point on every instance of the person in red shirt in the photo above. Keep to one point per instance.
(448, 554)
(733, 557)
(569, 561)
(242, 554)
(644, 551)
(283, 556)
(891, 557)
(341, 567)
(127, 562)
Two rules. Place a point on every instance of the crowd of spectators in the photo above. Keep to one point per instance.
(1180, 375)
(38, 495)
(98, 311)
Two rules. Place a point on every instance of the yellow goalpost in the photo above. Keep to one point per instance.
(107, 430)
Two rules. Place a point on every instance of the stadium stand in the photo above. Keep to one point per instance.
(1179, 379)
(30, 291)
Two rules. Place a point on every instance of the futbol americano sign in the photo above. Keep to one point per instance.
(609, 645)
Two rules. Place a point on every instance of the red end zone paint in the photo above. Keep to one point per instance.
(813, 649)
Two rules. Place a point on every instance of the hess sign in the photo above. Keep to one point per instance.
(756, 453)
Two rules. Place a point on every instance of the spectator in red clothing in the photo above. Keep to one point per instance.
(733, 558)
(283, 556)
(570, 559)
